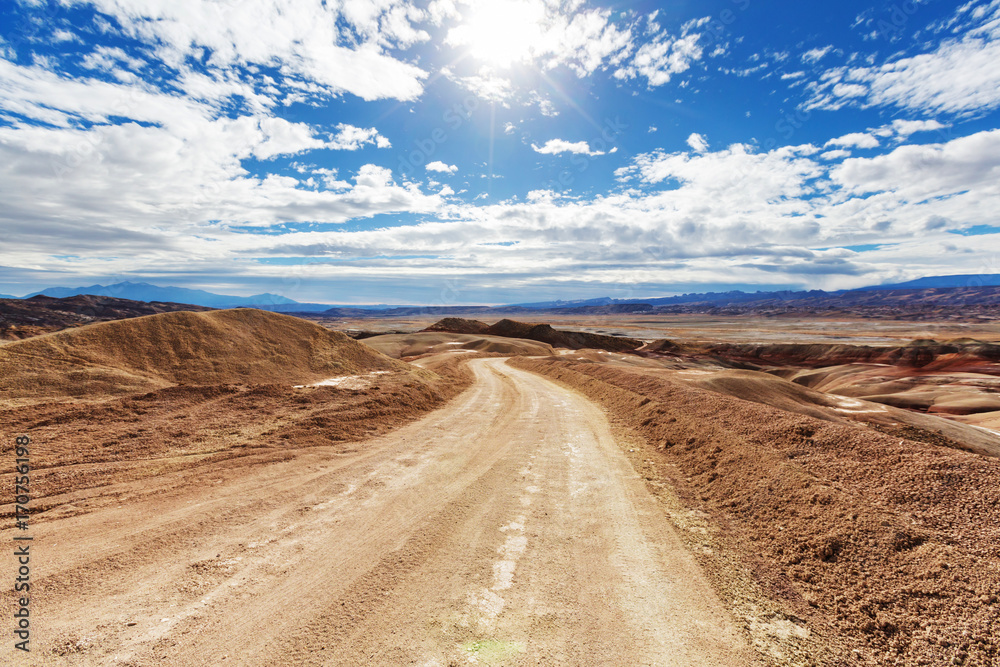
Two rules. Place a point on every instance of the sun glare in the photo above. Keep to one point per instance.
(500, 32)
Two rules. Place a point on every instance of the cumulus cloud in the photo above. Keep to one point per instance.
(838, 154)
(351, 138)
(138, 175)
(110, 58)
(904, 128)
(486, 84)
(659, 60)
(854, 140)
(556, 146)
(928, 170)
(697, 143)
(681, 216)
(61, 35)
(304, 39)
(439, 166)
(959, 76)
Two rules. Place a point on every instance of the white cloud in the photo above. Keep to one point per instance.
(931, 170)
(156, 197)
(659, 60)
(817, 54)
(757, 216)
(439, 166)
(302, 39)
(108, 58)
(736, 175)
(486, 84)
(330, 180)
(904, 128)
(45, 96)
(847, 90)
(697, 143)
(838, 154)
(439, 10)
(351, 138)
(547, 108)
(373, 176)
(959, 76)
(556, 146)
(854, 140)
(61, 35)
(169, 176)
(174, 182)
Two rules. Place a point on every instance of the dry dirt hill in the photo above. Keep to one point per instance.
(957, 377)
(544, 333)
(23, 318)
(459, 325)
(146, 353)
(959, 355)
(426, 343)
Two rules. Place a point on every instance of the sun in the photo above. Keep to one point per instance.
(500, 32)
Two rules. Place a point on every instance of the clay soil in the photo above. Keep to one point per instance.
(743, 329)
(886, 547)
(192, 506)
(506, 528)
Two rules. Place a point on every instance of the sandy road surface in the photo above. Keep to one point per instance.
(505, 528)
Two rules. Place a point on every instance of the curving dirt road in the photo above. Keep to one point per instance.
(506, 528)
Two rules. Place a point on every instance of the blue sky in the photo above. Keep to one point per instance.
(497, 151)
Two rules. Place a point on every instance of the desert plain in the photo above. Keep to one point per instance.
(248, 488)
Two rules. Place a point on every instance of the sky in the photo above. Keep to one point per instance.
(497, 151)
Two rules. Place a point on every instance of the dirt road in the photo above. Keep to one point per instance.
(506, 528)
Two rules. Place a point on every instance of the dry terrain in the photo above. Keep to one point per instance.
(23, 318)
(240, 487)
(883, 538)
(505, 528)
(738, 329)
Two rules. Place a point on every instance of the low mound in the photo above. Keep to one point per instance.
(661, 346)
(511, 329)
(769, 390)
(572, 340)
(401, 346)
(145, 353)
(23, 318)
(891, 409)
(459, 325)
(955, 356)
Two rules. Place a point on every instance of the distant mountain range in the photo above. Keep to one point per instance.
(153, 293)
(274, 302)
(147, 292)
